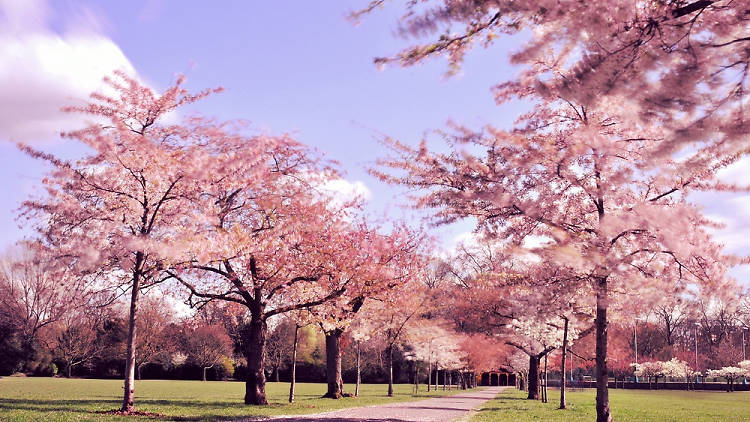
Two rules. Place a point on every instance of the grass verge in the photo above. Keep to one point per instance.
(627, 406)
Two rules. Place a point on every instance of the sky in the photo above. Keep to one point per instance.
(298, 67)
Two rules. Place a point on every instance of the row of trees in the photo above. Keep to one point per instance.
(213, 212)
(581, 210)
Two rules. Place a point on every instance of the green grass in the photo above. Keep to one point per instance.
(60, 399)
(627, 406)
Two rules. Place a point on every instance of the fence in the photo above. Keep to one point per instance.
(669, 385)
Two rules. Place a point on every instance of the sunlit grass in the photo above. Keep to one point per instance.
(59, 399)
(627, 406)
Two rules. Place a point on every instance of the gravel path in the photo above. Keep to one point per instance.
(438, 409)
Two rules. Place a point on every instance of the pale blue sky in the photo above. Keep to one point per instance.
(293, 66)
(287, 66)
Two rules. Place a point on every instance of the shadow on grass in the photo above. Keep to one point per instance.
(98, 406)
(57, 405)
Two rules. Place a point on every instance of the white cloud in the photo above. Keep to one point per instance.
(345, 190)
(737, 172)
(41, 71)
(733, 213)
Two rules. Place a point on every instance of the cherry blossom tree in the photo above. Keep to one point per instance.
(572, 176)
(537, 307)
(378, 263)
(645, 79)
(649, 370)
(392, 316)
(729, 373)
(682, 65)
(117, 209)
(276, 242)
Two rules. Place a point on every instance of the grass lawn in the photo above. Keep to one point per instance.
(627, 406)
(60, 399)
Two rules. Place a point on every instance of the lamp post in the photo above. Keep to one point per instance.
(635, 340)
(697, 324)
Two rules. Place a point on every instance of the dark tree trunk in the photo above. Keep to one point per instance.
(255, 349)
(603, 413)
(564, 354)
(389, 352)
(333, 363)
(359, 373)
(128, 400)
(294, 365)
(533, 381)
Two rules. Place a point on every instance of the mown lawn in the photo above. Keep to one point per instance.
(60, 399)
(627, 406)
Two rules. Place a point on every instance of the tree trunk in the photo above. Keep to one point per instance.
(255, 349)
(389, 351)
(204, 374)
(333, 363)
(70, 368)
(138, 371)
(294, 365)
(359, 372)
(544, 390)
(416, 377)
(429, 373)
(128, 400)
(564, 354)
(533, 381)
(603, 413)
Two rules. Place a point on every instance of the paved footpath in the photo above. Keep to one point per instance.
(437, 409)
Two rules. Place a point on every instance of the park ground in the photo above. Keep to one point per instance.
(61, 399)
(627, 406)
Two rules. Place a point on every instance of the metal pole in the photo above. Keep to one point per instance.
(696, 352)
(635, 334)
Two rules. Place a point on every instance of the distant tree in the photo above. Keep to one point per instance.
(730, 374)
(36, 291)
(155, 344)
(78, 341)
(279, 345)
(206, 346)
